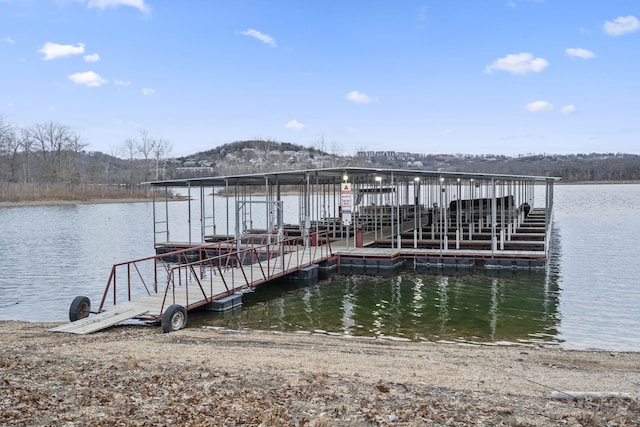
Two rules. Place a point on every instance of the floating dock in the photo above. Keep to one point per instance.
(346, 220)
(484, 220)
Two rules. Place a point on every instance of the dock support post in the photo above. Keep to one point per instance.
(189, 210)
(494, 218)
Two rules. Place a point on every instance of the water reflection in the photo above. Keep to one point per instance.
(503, 306)
(443, 304)
(348, 309)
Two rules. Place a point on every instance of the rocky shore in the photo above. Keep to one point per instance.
(135, 375)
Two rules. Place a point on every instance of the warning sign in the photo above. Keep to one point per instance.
(345, 197)
(345, 203)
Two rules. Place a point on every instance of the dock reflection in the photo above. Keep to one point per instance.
(485, 307)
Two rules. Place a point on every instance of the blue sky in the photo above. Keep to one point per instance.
(467, 76)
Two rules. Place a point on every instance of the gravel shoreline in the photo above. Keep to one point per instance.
(135, 375)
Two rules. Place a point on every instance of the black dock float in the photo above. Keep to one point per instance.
(224, 304)
(307, 274)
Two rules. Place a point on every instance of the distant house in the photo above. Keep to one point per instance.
(194, 171)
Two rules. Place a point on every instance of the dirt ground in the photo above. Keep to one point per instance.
(136, 375)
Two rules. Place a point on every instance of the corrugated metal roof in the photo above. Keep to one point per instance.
(335, 175)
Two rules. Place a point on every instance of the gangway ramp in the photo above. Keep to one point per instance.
(110, 317)
(194, 277)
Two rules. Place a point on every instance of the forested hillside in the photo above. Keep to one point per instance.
(51, 155)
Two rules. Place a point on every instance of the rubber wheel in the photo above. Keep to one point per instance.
(174, 318)
(80, 308)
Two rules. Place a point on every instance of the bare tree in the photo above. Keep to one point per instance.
(130, 149)
(264, 151)
(146, 146)
(6, 129)
(161, 155)
(58, 148)
(321, 145)
(69, 167)
(337, 156)
(25, 143)
(7, 151)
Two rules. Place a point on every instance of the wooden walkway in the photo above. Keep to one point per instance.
(204, 286)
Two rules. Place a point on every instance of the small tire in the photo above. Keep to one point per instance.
(174, 318)
(80, 308)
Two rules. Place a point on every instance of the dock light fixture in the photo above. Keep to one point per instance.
(378, 178)
(416, 179)
(345, 177)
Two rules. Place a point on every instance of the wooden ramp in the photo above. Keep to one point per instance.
(110, 317)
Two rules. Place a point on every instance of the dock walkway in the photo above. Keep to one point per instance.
(193, 283)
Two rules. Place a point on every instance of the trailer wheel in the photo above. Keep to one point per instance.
(80, 308)
(174, 318)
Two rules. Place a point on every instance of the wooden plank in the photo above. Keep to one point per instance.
(106, 319)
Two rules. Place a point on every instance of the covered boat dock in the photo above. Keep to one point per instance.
(430, 218)
(299, 224)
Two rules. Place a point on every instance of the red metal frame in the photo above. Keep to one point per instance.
(231, 260)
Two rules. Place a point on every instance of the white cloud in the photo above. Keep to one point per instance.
(147, 91)
(578, 52)
(55, 50)
(539, 106)
(518, 63)
(88, 78)
(568, 109)
(621, 25)
(260, 36)
(8, 40)
(103, 4)
(358, 97)
(294, 124)
(122, 82)
(94, 57)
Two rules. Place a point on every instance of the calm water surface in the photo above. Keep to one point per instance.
(587, 297)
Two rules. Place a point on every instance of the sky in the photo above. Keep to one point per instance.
(509, 77)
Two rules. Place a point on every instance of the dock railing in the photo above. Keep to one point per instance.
(197, 275)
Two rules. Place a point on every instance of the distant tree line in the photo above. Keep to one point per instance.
(51, 154)
(601, 167)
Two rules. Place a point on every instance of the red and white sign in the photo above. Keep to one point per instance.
(345, 196)
(345, 203)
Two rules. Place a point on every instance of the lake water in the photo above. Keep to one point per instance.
(587, 297)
